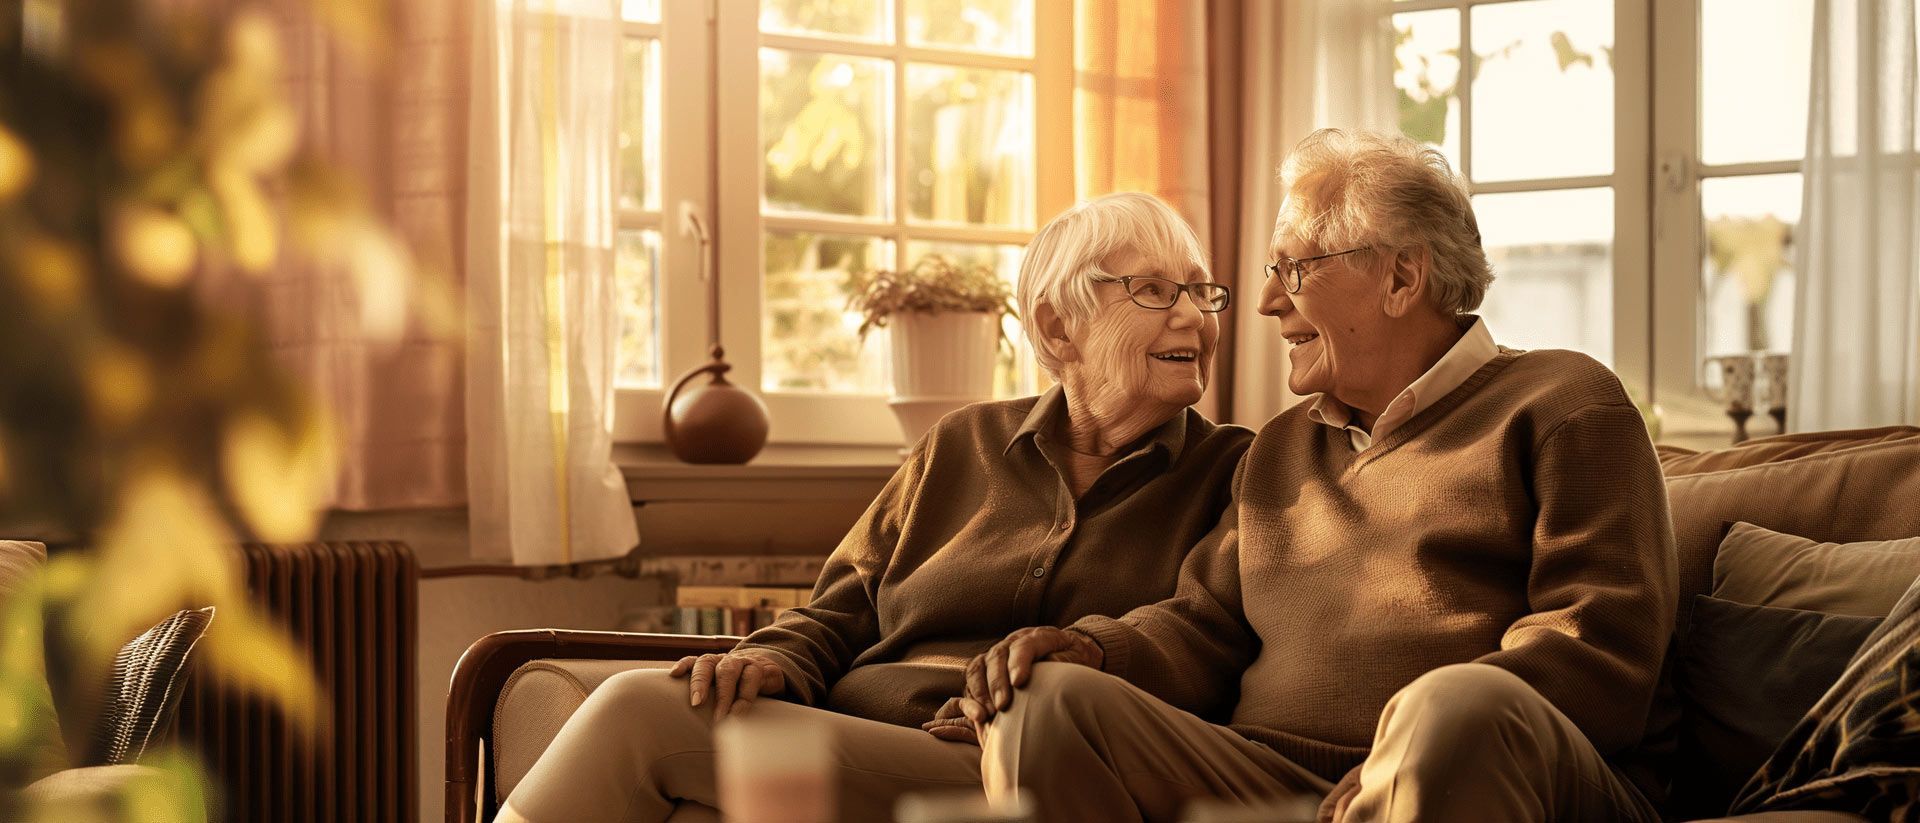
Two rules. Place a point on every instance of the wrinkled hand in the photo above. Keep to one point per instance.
(992, 676)
(736, 679)
(1334, 808)
(951, 724)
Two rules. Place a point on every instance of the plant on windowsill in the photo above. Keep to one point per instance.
(946, 328)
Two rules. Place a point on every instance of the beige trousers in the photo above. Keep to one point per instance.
(1463, 743)
(635, 751)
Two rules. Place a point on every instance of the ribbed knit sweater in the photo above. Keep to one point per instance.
(1521, 521)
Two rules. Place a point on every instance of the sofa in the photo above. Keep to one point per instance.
(512, 691)
(95, 771)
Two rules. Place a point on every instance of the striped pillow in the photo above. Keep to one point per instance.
(149, 675)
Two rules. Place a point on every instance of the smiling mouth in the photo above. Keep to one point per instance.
(1176, 355)
(1302, 339)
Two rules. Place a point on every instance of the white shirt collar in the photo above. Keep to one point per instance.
(1473, 350)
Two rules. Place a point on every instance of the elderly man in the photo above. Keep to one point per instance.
(1443, 589)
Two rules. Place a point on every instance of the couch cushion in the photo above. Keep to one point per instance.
(20, 560)
(1858, 748)
(1842, 495)
(144, 687)
(1677, 461)
(1747, 674)
(536, 701)
(1764, 567)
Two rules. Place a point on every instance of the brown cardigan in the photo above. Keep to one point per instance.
(978, 535)
(1521, 521)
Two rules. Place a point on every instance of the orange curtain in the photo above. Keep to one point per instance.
(1157, 109)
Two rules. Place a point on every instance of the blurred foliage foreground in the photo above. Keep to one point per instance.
(142, 156)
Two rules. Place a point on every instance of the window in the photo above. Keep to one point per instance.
(1730, 133)
(1531, 101)
(853, 134)
(1636, 172)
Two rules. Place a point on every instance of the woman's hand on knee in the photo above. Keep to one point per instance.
(1008, 665)
(736, 678)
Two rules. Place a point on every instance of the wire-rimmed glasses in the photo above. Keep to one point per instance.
(1296, 269)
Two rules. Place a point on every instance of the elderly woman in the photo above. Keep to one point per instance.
(1037, 511)
(1444, 586)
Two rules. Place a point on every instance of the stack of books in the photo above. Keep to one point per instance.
(732, 609)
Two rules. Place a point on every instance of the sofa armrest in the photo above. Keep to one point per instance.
(483, 670)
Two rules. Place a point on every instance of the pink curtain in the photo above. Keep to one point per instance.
(398, 131)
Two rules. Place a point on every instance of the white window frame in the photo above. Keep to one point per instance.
(1679, 315)
(1632, 244)
(687, 152)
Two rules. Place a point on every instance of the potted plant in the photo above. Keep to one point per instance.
(946, 323)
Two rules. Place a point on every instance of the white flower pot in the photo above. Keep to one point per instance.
(941, 361)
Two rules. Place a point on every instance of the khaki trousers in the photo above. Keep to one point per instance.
(635, 751)
(1462, 743)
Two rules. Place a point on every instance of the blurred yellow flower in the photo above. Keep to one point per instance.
(52, 272)
(16, 165)
(250, 229)
(119, 386)
(154, 245)
(278, 479)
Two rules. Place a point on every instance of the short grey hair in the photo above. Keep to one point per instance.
(1070, 247)
(1348, 189)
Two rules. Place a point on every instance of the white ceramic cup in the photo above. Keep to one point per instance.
(775, 770)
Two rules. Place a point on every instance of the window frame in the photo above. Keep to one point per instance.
(1630, 180)
(1679, 313)
(688, 155)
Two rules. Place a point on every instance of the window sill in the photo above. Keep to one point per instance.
(779, 472)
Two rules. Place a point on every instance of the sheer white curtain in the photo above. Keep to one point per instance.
(541, 323)
(1309, 64)
(1856, 331)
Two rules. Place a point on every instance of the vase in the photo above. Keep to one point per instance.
(941, 361)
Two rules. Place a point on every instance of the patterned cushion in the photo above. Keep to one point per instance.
(149, 675)
(1858, 749)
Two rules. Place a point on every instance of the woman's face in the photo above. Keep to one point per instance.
(1136, 357)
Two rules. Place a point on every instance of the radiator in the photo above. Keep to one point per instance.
(351, 607)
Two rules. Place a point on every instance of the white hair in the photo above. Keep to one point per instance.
(1070, 247)
(1349, 189)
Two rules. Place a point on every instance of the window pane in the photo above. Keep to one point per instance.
(822, 126)
(1552, 256)
(808, 338)
(1017, 373)
(1543, 91)
(1426, 77)
(850, 19)
(970, 145)
(1755, 61)
(1747, 277)
(636, 284)
(1002, 26)
(640, 125)
(640, 11)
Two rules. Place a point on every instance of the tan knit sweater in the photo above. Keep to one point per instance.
(1521, 521)
(978, 534)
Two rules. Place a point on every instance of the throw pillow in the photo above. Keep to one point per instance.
(1763, 567)
(1747, 675)
(1858, 749)
(144, 688)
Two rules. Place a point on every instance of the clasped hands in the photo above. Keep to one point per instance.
(993, 675)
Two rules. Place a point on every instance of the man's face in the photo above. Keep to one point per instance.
(1335, 326)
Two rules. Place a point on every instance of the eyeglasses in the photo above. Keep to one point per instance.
(1296, 274)
(1161, 293)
